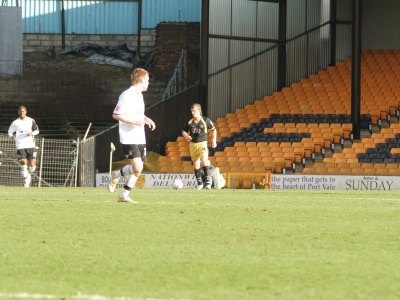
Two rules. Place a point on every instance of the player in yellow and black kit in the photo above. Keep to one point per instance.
(195, 131)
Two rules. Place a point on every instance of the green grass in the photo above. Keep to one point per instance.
(188, 244)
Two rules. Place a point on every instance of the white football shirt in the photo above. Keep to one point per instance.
(131, 105)
(20, 127)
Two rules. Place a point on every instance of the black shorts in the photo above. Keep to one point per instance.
(133, 151)
(28, 153)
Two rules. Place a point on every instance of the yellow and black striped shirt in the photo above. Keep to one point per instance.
(198, 131)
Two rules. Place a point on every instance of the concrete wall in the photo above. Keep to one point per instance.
(10, 40)
(41, 42)
(381, 23)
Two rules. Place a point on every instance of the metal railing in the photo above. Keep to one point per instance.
(56, 163)
(178, 80)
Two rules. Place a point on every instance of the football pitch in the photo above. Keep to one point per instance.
(80, 243)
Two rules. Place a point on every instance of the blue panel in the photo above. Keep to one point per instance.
(97, 17)
(156, 11)
(40, 16)
(103, 17)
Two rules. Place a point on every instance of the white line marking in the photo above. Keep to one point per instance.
(78, 296)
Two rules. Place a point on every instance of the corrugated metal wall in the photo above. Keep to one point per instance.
(219, 85)
(103, 17)
(309, 53)
(296, 50)
(343, 35)
(39, 16)
(240, 71)
(98, 17)
(296, 18)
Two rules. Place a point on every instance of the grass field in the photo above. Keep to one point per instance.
(58, 243)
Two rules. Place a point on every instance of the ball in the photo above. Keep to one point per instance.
(178, 184)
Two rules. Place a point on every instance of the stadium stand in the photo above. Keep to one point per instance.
(306, 128)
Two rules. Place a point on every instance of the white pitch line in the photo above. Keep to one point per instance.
(78, 296)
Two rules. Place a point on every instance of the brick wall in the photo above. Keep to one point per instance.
(171, 38)
(41, 42)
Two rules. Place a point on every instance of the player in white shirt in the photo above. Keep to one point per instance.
(130, 114)
(23, 131)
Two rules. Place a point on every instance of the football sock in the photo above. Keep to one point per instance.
(24, 171)
(126, 170)
(206, 170)
(197, 173)
(130, 182)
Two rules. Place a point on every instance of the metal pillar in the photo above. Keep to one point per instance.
(62, 25)
(356, 69)
(282, 45)
(204, 35)
(332, 32)
(139, 35)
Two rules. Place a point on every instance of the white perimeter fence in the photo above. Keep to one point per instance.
(57, 163)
